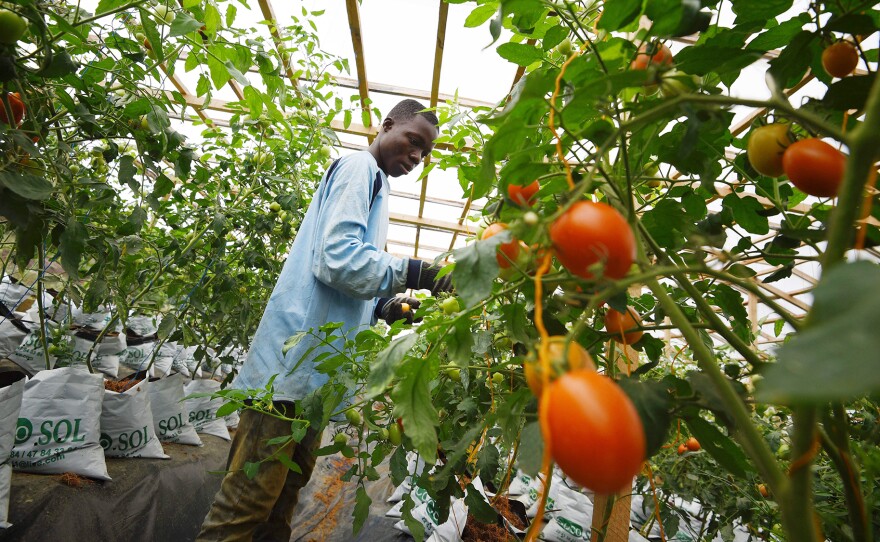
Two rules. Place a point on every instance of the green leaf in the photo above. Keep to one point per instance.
(292, 341)
(26, 185)
(60, 66)
(520, 54)
(740, 270)
(219, 71)
(227, 408)
(759, 11)
(531, 449)
(554, 37)
(166, 327)
(746, 212)
(184, 24)
(127, 171)
(476, 268)
(415, 526)
(835, 357)
(362, 504)
(794, 61)
(397, 465)
(731, 304)
(480, 15)
(288, 462)
(106, 5)
(654, 405)
(478, 507)
(720, 447)
(849, 92)
(619, 13)
(251, 469)
(460, 342)
(212, 19)
(73, 242)
(387, 361)
(412, 402)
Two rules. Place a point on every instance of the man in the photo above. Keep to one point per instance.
(336, 272)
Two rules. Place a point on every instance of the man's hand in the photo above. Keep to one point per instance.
(428, 279)
(393, 309)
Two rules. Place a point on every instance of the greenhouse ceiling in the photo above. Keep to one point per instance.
(422, 49)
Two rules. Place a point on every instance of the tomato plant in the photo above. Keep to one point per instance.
(583, 408)
(815, 167)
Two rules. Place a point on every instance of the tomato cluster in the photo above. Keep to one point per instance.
(16, 106)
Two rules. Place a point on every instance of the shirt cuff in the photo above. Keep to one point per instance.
(413, 273)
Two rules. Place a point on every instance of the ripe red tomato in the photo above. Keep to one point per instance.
(815, 167)
(574, 358)
(507, 252)
(618, 325)
(765, 149)
(523, 195)
(596, 436)
(649, 53)
(590, 233)
(682, 449)
(692, 444)
(17, 107)
(840, 59)
(762, 489)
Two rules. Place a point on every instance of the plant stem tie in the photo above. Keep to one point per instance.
(806, 458)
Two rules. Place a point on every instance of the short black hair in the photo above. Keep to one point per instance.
(408, 109)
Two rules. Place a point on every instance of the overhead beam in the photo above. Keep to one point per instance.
(354, 23)
(269, 15)
(435, 90)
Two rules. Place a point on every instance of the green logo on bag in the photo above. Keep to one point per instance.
(23, 430)
(571, 527)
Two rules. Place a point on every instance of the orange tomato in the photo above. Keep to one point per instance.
(651, 53)
(523, 195)
(575, 357)
(619, 325)
(692, 444)
(596, 436)
(840, 59)
(507, 252)
(682, 449)
(17, 107)
(815, 167)
(591, 233)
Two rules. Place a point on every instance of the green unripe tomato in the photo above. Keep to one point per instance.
(394, 436)
(450, 305)
(12, 27)
(274, 207)
(164, 14)
(531, 218)
(564, 48)
(353, 416)
(383, 434)
(732, 370)
(55, 350)
(140, 37)
(282, 216)
(341, 439)
(74, 168)
(497, 378)
(454, 374)
(324, 152)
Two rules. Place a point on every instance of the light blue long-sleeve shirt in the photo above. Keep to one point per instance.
(334, 273)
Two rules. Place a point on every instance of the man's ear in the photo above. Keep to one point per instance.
(387, 123)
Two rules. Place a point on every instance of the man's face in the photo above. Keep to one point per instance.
(403, 144)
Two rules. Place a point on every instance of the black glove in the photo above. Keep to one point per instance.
(428, 279)
(391, 309)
